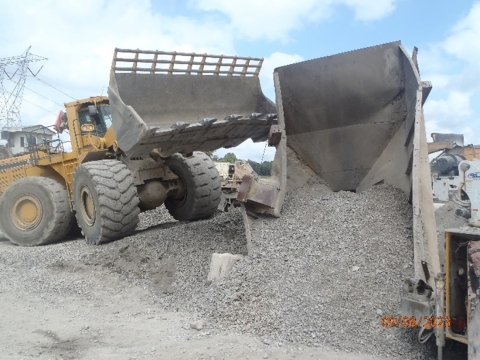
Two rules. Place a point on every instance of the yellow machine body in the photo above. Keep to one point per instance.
(52, 160)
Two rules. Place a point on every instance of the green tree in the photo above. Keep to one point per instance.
(265, 168)
(255, 166)
(229, 157)
(262, 169)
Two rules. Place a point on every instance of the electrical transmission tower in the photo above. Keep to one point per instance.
(14, 69)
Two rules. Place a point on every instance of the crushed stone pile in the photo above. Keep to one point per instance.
(323, 274)
(171, 257)
(150, 219)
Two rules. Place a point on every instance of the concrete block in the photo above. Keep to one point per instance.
(221, 265)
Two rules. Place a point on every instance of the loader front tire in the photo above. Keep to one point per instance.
(201, 183)
(105, 201)
(35, 211)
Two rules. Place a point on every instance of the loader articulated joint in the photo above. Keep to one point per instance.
(153, 193)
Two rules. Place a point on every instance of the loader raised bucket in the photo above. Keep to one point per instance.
(356, 119)
(183, 102)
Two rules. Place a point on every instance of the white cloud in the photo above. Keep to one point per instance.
(452, 114)
(249, 150)
(464, 41)
(367, 10)
(270, 63)
(454, 69)
(79, 38)
(454, 108)
(273, 20)
(453, 63)
(463, 44)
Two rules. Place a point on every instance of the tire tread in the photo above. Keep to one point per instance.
(117, 198)
(207, 188)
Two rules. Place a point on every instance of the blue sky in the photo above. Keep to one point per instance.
(78, 38)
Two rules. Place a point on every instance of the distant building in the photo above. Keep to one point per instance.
(18, 139)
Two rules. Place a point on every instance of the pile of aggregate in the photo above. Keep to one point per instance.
(323, 274)
(170, 257)
(156, 217)
(45, 270)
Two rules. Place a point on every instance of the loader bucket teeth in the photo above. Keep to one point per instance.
(151, 92)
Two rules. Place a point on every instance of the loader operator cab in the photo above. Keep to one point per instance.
(100, 117)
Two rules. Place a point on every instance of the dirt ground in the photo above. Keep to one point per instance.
(111, 319)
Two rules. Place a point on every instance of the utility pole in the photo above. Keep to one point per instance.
(14, 70)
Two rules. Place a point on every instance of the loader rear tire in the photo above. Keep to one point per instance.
(35, 211)
(202, 187)
(105, 201)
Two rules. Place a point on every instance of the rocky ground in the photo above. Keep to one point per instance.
(316, 285)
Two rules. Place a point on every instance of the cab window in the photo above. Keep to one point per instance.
(102, 120)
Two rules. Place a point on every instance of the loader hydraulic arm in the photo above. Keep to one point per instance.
(109, 139)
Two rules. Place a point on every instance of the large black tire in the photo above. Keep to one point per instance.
(35, 211)
(202, 187)
(105, 201)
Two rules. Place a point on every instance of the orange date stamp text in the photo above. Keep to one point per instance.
(428, 322)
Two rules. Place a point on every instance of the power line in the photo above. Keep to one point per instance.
(36, 105)
(43, 96)
(53, 87)
(53, 101)
(10, 102)
(40, 107)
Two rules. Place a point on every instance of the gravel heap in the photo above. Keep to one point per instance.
(45, 270)
(169, 256)
(323, 274)
(152, 218)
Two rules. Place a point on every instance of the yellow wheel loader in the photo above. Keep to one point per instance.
(136, 149)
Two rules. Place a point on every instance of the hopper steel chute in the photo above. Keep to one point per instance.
(356, 120)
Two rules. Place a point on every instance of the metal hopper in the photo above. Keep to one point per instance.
(356, 119)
